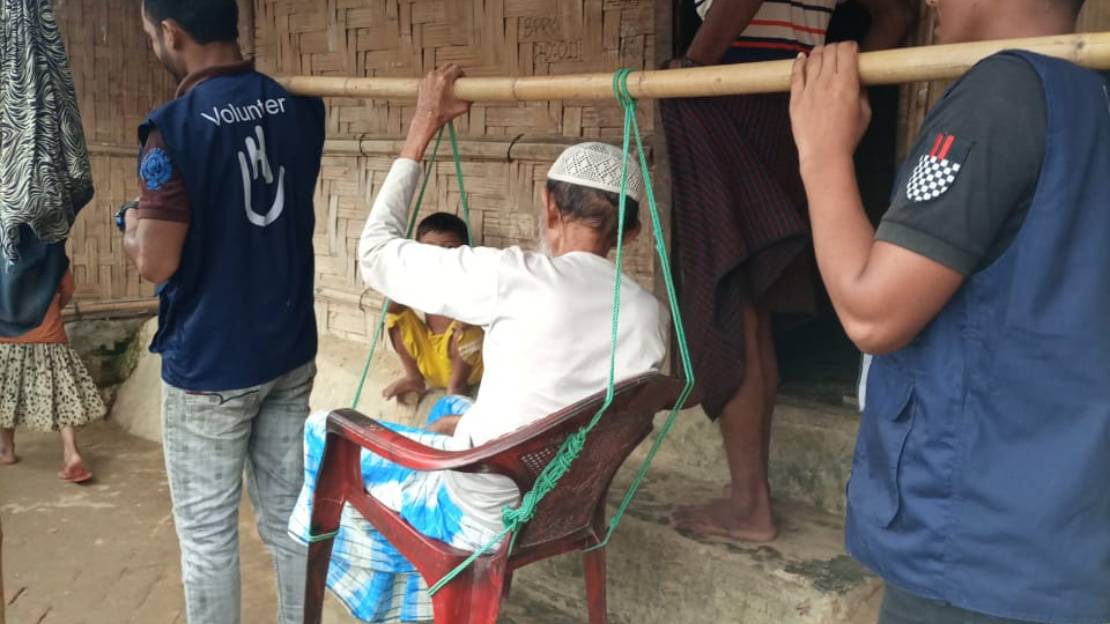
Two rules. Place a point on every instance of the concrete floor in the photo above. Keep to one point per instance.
(106, 552)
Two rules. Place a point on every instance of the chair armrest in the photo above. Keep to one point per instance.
(388, 444)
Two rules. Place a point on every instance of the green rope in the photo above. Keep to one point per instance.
(676, 315)
(548, 479)
(459, 179)
(379, 327)
(323, 537)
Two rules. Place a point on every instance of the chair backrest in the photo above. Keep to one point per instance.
(570, 508)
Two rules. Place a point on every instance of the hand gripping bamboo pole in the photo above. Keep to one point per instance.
(888, 67)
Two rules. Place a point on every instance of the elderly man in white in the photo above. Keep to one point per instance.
(547, 318)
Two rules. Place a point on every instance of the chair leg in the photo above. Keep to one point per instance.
(489, 584)
(594, 563)
(319, 559)
(341, 461)
(473, 597)
(451, 604)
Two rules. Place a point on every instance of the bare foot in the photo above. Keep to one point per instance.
(718, 519)
(7, 447)
(75, 470)
(402, 388)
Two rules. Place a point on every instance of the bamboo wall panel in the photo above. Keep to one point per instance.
(406, 38)
(919, 98)
(118, 82)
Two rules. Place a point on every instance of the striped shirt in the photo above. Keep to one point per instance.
(780, 29)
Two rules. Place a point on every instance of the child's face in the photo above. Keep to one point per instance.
(449, 240)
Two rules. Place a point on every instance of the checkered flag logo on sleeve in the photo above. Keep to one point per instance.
(937, 171)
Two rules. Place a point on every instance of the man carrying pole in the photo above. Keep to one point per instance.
(978, 490)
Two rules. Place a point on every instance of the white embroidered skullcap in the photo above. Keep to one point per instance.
(598, 166)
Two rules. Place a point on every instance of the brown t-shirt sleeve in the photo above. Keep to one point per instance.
(163, 196)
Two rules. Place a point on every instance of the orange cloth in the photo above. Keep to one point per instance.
(51, 330)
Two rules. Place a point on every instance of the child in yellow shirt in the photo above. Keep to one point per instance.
(437, 351)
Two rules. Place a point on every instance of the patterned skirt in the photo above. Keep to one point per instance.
(44, 387)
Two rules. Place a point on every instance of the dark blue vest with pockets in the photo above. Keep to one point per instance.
(982, 470)
(239, 310)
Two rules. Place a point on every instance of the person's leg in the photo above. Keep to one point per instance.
(2, 599)
(745, 513)
(771, 379)
(403, 330)
(7, 447)
(275, 475)
(73, 466)
(900, 607)
(460, 367)
(205, 437)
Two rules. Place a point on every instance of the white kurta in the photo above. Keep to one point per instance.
(547, 323)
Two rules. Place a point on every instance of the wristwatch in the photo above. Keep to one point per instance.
(121, 220)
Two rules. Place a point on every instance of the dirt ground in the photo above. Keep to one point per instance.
(106, 552)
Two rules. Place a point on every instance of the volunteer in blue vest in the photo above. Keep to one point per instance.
(979, 490)
(224, 226)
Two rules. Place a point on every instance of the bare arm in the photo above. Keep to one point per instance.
(460, 368)
(445, 425)
(723, 24)
(884, 295)
(890, 22)
(460, 283)
(154, 246)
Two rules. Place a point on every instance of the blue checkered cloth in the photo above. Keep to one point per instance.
(367, 574)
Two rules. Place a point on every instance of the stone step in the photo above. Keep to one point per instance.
(811, 451)
(657, 576)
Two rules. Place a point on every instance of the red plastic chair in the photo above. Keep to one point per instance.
(571, 517)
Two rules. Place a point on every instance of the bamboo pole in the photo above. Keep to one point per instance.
(887, 67)
(110, 309)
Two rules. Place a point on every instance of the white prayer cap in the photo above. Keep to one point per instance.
(598, 166)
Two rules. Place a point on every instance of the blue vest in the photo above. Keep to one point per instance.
(239, 310)
(982, 471)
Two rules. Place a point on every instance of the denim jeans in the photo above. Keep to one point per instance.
(209, 439)
(900, 607)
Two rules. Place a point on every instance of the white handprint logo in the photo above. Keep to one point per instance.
(259, 162)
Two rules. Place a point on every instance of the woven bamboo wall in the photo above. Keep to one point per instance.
(919, 98)
(509, 147)
(118, 81)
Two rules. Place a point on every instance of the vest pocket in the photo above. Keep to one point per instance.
(873, 489)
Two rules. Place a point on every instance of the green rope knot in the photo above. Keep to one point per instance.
(545, 482)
